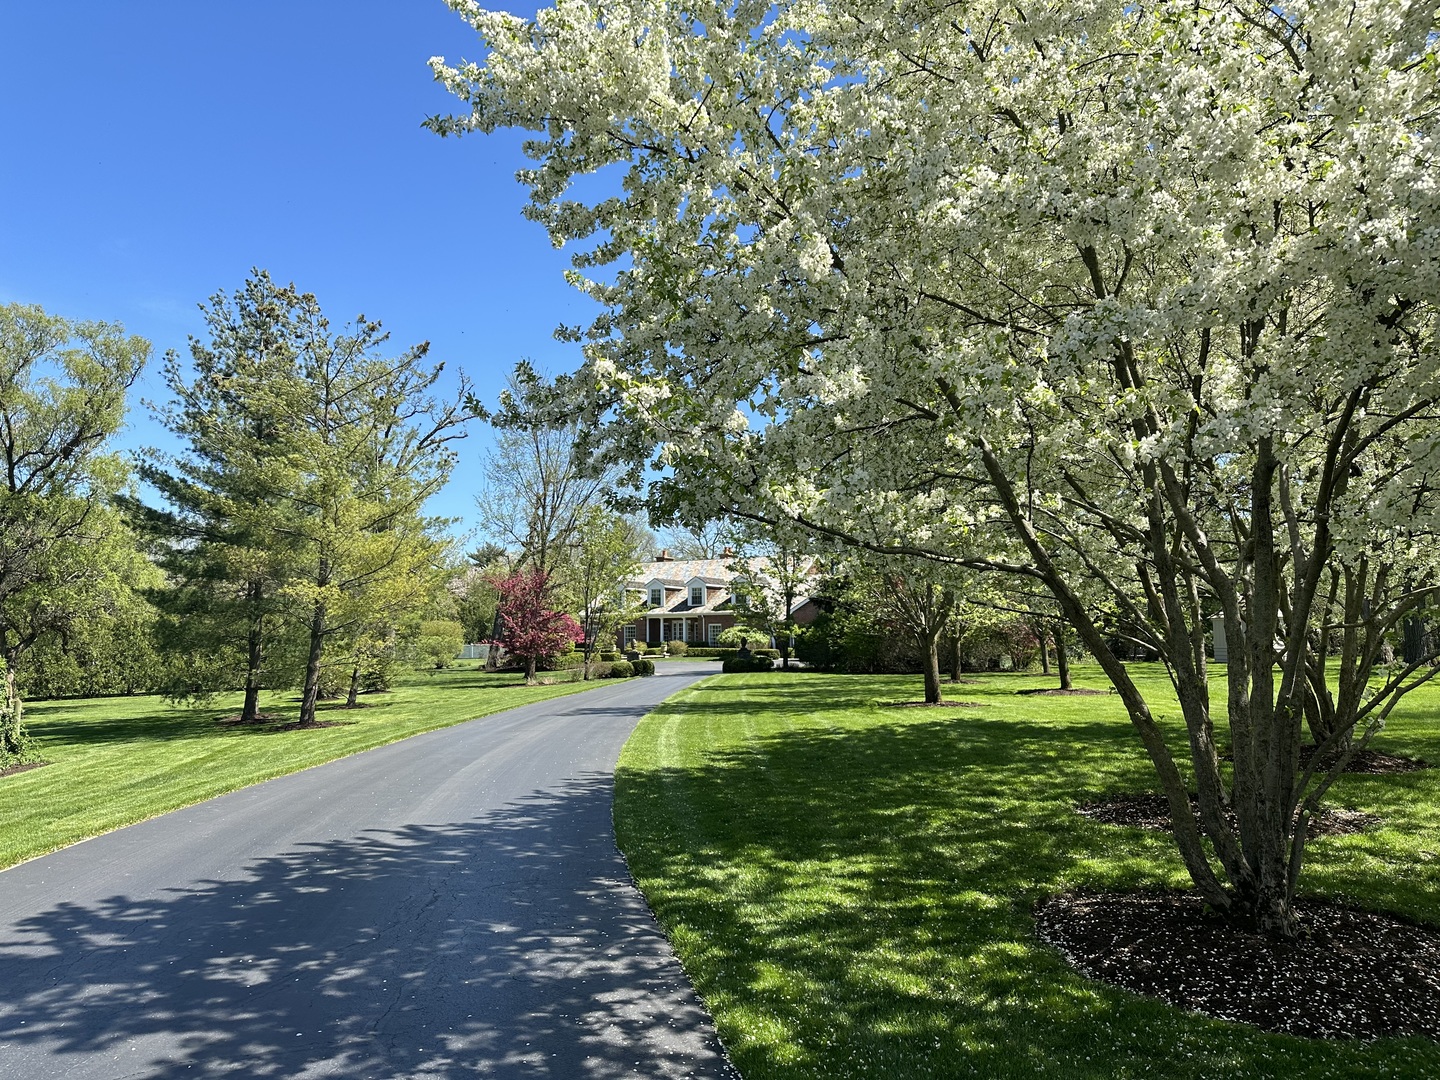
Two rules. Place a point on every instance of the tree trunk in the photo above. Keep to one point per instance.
(1260, 855)
(250, 711)
(530, 662)
(352, 700)
(932, 668)
(14, 743)
(1043, 635)
(311, 693)
(957, 657)
(492, 654)
(1062, 658)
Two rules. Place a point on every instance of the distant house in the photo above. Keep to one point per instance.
(694, 600)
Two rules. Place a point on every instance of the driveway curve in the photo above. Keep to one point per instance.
(452, 905)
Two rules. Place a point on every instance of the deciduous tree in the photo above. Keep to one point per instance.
(1132, 300)
(63, 551)
(366, 446)
(530, 629)
(605, 555)
(537, 490)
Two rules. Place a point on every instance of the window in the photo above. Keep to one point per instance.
(712, 633)
(657, 598)
(741, 600)
(697, 595)
(630, 634)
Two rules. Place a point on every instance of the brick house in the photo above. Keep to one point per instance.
(693, 600)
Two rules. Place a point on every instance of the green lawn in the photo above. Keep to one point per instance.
(117, 760)
(850, 885)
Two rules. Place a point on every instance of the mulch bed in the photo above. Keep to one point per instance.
(1372, 762)
(1147, 810)
(1367, 762)
(317, 724)
(1079, 691)
(1350, 975)
(933, 704)
(11, 770)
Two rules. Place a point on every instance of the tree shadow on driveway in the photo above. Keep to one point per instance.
(508, 945)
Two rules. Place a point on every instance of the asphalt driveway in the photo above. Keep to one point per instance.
(448, 906)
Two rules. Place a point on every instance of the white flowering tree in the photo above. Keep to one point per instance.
(1133, 299)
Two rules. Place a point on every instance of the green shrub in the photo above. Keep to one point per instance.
(639, 646)
(727, 654)
(375, 677)
(676, 648)
(754, 663)
(439, 642)
(731, 636)
(644, 667)
(621, 669)
(609, 656)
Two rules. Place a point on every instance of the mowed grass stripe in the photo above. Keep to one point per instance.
(116, 761)
(850, 885)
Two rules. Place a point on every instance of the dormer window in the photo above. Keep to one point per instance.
(698, 591)
(740, 600)
(657, 596)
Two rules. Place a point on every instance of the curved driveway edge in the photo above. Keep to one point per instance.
(452, 905)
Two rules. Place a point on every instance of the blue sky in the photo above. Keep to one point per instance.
(156, 150)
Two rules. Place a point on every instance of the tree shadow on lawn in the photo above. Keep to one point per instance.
(491, 947)
(156, 723)
(819, 693)
(152, 719)
(856, 902)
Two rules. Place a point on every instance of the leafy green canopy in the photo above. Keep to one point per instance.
(64, 554)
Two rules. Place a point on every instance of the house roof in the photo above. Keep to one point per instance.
(717, 574)
(678, 572)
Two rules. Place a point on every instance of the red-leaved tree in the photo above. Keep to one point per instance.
(529, 627)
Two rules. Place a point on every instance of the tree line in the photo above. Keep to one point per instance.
(283, 544)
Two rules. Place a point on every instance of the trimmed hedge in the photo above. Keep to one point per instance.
(609, 655)
(621, 669)
(718, 653)
(676, 648)
(754, 663)
(644, 667)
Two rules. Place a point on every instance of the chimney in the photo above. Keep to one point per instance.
(664, 555)
(727, 553)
